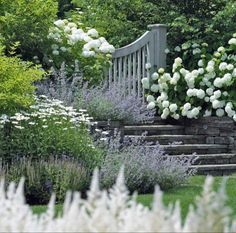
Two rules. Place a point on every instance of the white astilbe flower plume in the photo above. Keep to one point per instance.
(114, 211)
(211, 214)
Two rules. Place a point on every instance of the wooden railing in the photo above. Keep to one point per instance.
(129, 62)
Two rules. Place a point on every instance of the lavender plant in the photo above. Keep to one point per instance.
(145, 166)
(60, 85)
(114, 103)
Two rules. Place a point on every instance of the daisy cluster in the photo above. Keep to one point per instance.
(204, 91)
(46, 111)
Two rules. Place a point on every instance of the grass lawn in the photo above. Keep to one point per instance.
(185, 194)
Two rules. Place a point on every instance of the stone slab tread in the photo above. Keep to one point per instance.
(214, 167)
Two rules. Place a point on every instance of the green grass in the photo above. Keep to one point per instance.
(185, 194)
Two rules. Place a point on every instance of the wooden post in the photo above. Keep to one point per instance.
(157, 46)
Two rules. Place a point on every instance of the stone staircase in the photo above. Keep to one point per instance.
(213, 158)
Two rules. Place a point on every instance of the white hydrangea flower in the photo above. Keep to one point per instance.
(232, 41)
(178, 61)
(173, 107)
(148, 66)
(207, 99)
(93, 33)
(217, 54)
(216, 104)
(145, 82)
(230, 67)
(165, 104)
(200, 94)
(220, 112)
(210, 69)
(155, 76)
(151, 105)
(227, 78)
(59, 23)
(221, 49)
(234, 73)
(161, 71)
(225, 93)
(200, 63)
(190, 92)
(234, 117)
(176, 116)
(177, 49)
(196, 51)
(195, 111)
(155, 88)
(201, 71)
(187, 106)
(150, 98)
(217, 94)
(207, 113)
(55, 52)
(218, 82)
(223, 66)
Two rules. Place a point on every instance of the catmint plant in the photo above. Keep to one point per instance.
(145, 166)
(61, 85)
(114, 103)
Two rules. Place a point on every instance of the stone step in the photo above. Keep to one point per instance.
(208, 159)
(215, 169)
(175, 149)
(167, 139)
(153, 129)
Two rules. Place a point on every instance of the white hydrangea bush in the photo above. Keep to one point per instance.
(115, 211)
(207, 90)
(69, 42)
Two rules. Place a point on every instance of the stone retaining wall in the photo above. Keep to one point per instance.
(217, 130)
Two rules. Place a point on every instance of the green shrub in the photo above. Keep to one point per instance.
(27, 22)
(16, 83)
(44, 178)
(189, 21)
(49, 129)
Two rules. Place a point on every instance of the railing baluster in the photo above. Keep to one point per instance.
(115, 71)
(134, 72)
(143, 68)
(139, 73)
(129, 74)
(124, 73)
(120, 71)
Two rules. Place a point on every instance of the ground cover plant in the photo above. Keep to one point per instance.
(103, 208)
(204, 91)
